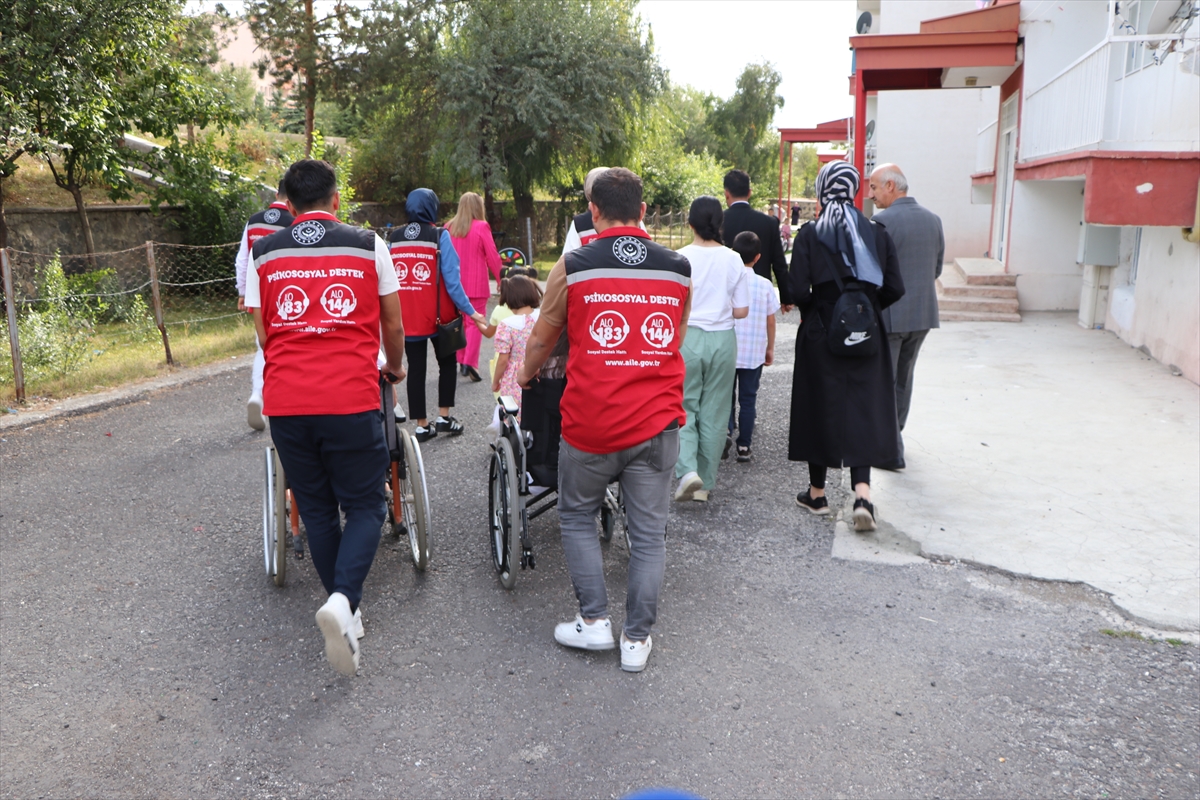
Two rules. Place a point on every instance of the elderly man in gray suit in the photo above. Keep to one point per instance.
(920, 247)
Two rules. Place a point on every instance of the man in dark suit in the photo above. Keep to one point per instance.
(741, 217)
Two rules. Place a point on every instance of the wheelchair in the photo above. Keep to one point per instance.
(405, 490)
(523, 476)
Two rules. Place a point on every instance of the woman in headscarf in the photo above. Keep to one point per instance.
(843, 407)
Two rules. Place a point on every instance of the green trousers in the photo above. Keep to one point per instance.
(711, 358)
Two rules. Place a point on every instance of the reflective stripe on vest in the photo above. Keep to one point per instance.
(625, 300)
(414, 250)
(320, 307)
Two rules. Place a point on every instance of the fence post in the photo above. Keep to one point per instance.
(10, 304)
(158, 313)
(529, 237)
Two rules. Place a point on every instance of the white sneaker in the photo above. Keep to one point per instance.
(254, 417)
(594, 636)
(337, 624)
(635, 654)
(357, 626)
(700, 495)
(688, 485)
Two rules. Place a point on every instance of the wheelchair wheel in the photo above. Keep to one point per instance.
(608, 516)
(415, 496)
(274, 519)
(504, 511)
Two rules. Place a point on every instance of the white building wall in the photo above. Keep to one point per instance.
(1044, 243)
(931, 135)
(1058, 33)
(1161, 310)
(906, 16)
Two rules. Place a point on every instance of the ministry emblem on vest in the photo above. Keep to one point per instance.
(309, 232)
(609, 329)
(272, 216)
(291, 303)
(338, 300)
(658, 330)
(629, 250)
(412, 230)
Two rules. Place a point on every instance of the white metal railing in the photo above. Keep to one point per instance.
(1068, 112)
(985, 148)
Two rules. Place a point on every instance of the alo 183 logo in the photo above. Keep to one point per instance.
(609, 329)
(658, 330)
(401, 271)
(338, 300)
(291, 303)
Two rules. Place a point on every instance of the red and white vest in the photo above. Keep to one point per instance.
(274, 217)
(625, 300)
(423, 296)
(585, 227)
(320, 305)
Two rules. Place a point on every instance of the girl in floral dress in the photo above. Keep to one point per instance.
(524, 296)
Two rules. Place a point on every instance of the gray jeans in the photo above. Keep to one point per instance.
(644, 471)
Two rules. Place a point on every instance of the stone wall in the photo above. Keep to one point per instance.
(48, 230)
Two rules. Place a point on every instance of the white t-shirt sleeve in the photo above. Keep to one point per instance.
(740, 293)
(388, 284)
(242, 261)
(253, 299)
(772, 295)
(573, 241)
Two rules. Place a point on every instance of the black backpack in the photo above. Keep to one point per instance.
(853, 330)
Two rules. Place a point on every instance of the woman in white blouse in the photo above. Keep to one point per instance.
(720, 294)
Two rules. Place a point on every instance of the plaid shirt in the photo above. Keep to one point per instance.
(752, 331)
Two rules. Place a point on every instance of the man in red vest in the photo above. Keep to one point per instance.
(322, 294)
(274, 217)
(624, 301)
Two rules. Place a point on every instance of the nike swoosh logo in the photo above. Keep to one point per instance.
(856, 338)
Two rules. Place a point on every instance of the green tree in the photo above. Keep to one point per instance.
(741, 125)
(541, 85)
(673, 152)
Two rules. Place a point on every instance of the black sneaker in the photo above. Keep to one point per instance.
(743, 454)
(424, 434)
(814, 505)
(864, 515)
(448, 425)
(728, 447)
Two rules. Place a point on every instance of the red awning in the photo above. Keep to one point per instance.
(837, 130)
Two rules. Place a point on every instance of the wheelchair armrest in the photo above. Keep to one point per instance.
(509, 405)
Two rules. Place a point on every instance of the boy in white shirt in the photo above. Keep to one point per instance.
(755, 345)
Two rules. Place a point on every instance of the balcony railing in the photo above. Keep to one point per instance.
(1068, 112)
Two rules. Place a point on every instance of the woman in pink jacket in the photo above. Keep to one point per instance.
(472, 239)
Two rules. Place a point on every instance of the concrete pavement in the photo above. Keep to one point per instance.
(1054, 452)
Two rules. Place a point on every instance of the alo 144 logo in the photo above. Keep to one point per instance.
(658, 330)
(609, 329)
(338, 300)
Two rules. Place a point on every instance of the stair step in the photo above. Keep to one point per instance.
(960, 289)
(983, 272)
(987, 304)
(977, 316)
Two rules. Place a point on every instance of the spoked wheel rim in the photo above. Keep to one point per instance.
(268, 513)
(280, 541)
(502, 511)
(415, 506)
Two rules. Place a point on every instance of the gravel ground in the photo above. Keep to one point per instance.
(144, 653)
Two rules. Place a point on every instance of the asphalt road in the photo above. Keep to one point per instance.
(145, 654)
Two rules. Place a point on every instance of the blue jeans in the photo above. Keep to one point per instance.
(745, 395)
(334, 461)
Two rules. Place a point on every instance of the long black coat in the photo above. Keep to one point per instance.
(843, 409)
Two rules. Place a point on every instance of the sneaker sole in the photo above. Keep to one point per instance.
(688, 492)
(863, 521)
(254, 417)
(588, 646)
(633, 667)
(820, 512)
(338, 649)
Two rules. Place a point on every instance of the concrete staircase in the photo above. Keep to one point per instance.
(977, 290)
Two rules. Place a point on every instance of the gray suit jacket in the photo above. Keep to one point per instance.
(920, 245)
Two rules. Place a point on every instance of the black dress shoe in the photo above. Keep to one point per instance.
(471, 373)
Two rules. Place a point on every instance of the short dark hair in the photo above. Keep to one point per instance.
(520, 291)
(705, 218)
(746, 245)
(282, 190)
(617, 192)
(309, 183)
(737, 183)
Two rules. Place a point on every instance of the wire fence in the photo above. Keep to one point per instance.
(54, 304)
(668, 227)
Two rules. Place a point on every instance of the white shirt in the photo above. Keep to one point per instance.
(242, 261)
(719, 285)
(575, 241)
(388, 284)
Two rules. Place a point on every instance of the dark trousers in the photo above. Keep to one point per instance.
(417, 353)
(816, 475)
(745, 397)
(905, 347)
(332, 462)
